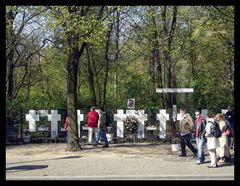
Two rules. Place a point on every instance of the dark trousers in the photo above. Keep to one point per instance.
(185, 140)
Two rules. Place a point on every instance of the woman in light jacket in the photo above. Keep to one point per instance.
(212, 142)
(223, 153)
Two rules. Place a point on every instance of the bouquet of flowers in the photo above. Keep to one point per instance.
(130, 125)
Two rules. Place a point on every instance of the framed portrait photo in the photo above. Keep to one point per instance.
(131, 103)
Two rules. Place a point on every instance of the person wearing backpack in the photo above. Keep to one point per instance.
(212, 141)
(223, 153)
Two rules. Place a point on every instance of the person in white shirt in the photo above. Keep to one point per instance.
(212, 142)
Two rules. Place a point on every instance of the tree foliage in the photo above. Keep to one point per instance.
(73, 57)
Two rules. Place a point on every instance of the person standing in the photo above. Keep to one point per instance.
(230, 118)
(200, 136)
(223, 153)
(212, 142)
(92, 124)
(102, 129)
(186, 129)
(66, 125)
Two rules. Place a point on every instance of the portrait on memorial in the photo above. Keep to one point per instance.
(131, 103)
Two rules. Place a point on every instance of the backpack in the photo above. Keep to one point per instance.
(108, 120)
(215, 130)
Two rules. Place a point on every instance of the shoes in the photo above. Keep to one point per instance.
(181, 155)
(105, 146)
(221, 161)
(199, 162)
(212, 166)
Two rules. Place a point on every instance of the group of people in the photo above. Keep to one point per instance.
(97, 124)
(202, 129)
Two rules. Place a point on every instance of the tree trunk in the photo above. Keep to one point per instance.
(10, 55)
(73, 140)
(10, 78)
(91, 80)
(117, 55)
(72, 70)
(106, 65)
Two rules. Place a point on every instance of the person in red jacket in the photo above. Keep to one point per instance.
(66, 125)
(92, 124)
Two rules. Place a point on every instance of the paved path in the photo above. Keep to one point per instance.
(140, 161)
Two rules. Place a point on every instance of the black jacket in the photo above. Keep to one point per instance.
(201, 128)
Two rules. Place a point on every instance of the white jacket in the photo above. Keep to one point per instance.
(212, 142)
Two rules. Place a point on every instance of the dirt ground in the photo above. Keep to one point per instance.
(54, 149)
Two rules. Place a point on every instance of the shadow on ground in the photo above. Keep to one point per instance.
(66, 157)
(25, 168)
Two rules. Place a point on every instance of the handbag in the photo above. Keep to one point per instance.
(228, 132)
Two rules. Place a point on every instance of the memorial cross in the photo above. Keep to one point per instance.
(54, 117)
(32, 117)
(79, 119)
(174, 90)
(120, 117)
(162, 118)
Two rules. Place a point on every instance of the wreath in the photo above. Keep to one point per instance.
(130, 125)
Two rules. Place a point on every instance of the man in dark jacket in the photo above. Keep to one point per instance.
(200, 136)
(102, 128)
(186, 129)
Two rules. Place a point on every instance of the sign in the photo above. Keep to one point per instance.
(131, 104)
(173, 90)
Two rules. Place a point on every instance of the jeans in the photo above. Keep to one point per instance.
(185, 140)
(200, 146)
(102, 133)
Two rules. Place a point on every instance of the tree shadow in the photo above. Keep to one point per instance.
(25, 168)
(66, 157)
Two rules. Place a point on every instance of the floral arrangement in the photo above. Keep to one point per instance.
(130, 125)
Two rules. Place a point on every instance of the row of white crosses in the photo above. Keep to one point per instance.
(54, 118)
(162, 117)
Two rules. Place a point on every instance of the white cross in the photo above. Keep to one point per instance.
(141, 117)
(54, 117)
(32, 117)
(172, 90)
(162, 117)
(79, 119)
(119, 117)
